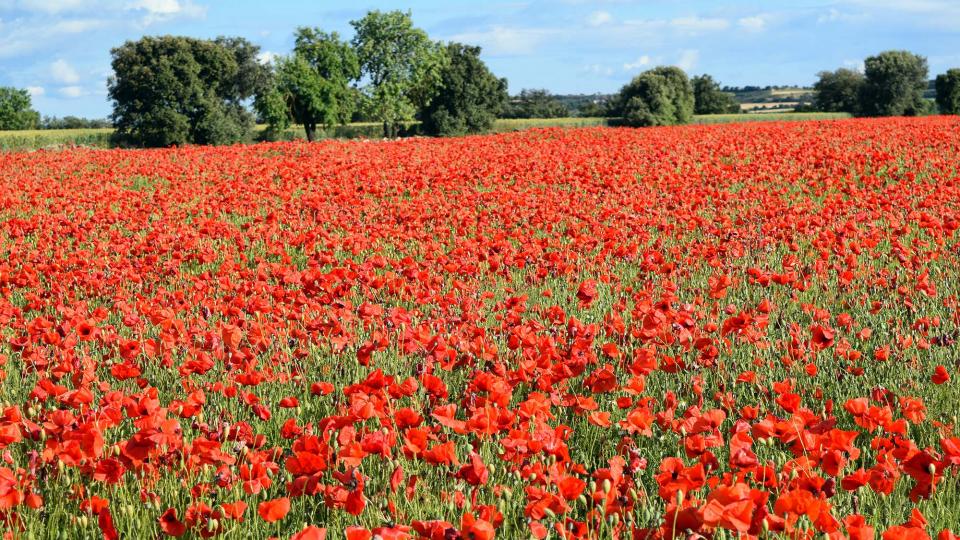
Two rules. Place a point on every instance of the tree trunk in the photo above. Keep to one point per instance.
(311, 130)
(386, 129)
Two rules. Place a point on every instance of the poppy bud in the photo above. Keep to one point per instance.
(213, 524)
(550, 513)
(83, 521)
(932, 468)
(607, 485)
(582, 499)
(679, 497)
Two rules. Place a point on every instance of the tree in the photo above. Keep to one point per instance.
(948, 92)
(838, 91)
(894, 84)
(16, 110)
(535, 103)
(662, 96)
(401, 64)
(312, 87)
(470, 96)
(709, 99)
(173, 90)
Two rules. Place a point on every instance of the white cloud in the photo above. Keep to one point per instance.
(51, 7)
(63, 72)
(267, 57)
(157, 11)
(72, 91)
(22, 36)
(505, 40)
(856, 65)
(637, 64)
(599, 18)
(756, 23)
(688, 59)
(36, 91)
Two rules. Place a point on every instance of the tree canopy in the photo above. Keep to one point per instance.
(948, 92)
(400, 65)
(708, 98)
(662, 96)
(894, 82)
(838, 91)
(470, 98)
(172, 90)
(16, 110)
(311, 87)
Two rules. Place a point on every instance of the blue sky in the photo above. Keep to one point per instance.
(60, 49)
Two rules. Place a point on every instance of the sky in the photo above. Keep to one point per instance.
(60, 49)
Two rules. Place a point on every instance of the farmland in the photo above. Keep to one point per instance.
(576, 333)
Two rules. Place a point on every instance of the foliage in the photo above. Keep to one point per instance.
(838, 91)
(74, 122)
(535, 103)
(16, 110)
(173, 90)
(470, 96)
(894, 84)
(948, 92)
(710, 99)
(401, 66)
(662, 96)
(311, 88)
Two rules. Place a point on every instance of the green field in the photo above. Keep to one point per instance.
(54, 138)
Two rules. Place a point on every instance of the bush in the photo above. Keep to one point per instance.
(838, 91)
(470, 96)
(662, 96)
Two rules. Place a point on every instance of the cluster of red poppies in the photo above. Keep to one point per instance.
(596, 333)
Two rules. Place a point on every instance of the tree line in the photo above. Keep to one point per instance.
(174, 90)
(892, 84)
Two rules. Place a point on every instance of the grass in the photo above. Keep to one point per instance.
(100, 138)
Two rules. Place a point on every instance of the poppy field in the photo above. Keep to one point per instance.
(742, 330)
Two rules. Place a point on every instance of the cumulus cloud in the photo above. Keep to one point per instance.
(72, 91)
(267, 57)
(36, 91)
(157, 11)
(63, 72)
(637, 64)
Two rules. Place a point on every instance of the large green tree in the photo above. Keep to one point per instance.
(838, 91)
(16, 110)
(948, 92)
(400, 65)
(708, 98)
(470, 96)
(172, 90)
(662, 96)
(311, 87)
(894, 84)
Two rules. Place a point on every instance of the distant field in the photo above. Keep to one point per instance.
(43, 138)
(36, 139)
